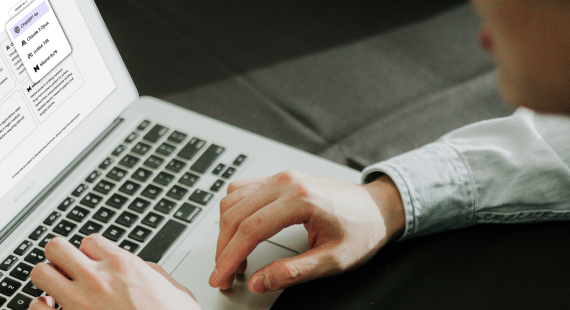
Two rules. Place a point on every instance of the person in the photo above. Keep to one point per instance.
(510, 170)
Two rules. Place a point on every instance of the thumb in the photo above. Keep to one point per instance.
(283, 273)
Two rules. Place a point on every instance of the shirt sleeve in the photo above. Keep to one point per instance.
(509, 170)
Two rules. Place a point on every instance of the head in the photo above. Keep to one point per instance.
(529, 41)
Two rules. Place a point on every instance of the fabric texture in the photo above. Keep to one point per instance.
(510, 170)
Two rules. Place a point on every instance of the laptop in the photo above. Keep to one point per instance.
(82, 153)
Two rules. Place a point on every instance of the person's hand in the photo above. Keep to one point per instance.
(103, 276)
(347, 225)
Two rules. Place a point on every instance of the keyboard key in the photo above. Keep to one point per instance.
(139, 205)
(32, 290)
(76, 240)
(37, 233)
(104, 187)
(46, 240)
(189, 179)
(208, 158)
(187, 212)
(106, 163)
(140, 234)
(229, 172)
(154, 162)
(8, 262)
(201, 197)
(151, 191)
(116, 174)
(35, 257)
(177, 192)
(156, 133)
(142, 174)
(141, 148)
(129, 187)
(23, 247)
(93, 176)
(52, 218)
(217, 185)
(129, 161)
(152, 219)
(165, 149)
(22, 271)
(78, 214)
(129, 246)
(8, 286)
(104, 215)
(66, 204)
(162, 241)
(64, 228)
(91, 200)
(177, 137)
(2, 301)
(163, 178)
(190, 149)
(218, 169)
(90, 228)
(117, 201)
(127, 219)
(20, 302)
(79, 190)
(132, 137)
(165, 206)
(119, 150)
(114, 233)
(175, 165)
(239, 160)
(143, 125)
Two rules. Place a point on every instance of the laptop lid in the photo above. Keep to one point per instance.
(55, 99)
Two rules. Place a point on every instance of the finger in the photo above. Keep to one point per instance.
(287, 272)
(235, 185)
(66, 257)
(46, 278)
(242, 267)
(259, 227)
(238, 195)
(42, 303)
(98, 247)
(232, 218)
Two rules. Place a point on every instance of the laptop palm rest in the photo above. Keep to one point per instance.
(194, 272)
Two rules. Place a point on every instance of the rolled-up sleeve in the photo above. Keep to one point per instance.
(509, 170)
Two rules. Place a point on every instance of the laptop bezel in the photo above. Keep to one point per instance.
(89, 129)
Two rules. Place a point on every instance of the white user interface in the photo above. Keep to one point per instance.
(39, 39)
(39, 109)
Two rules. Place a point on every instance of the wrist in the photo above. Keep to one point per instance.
(389, 201)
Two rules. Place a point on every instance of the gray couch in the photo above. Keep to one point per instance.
(355, 82)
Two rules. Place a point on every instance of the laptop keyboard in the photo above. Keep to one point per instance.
(143, 196)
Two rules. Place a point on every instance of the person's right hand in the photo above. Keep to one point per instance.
(347, 225)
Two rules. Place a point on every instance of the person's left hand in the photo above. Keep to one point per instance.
(103, 276)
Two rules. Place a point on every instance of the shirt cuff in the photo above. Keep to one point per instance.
(436, 188)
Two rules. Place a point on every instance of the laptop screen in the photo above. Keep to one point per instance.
(52, 76)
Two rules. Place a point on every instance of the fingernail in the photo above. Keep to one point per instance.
(261, 284)
(214, 276)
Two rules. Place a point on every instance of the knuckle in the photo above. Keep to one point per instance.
(232, 187)
(287, 176)
(227, 220)
(248, 228)
(302, 191)
(291, 273)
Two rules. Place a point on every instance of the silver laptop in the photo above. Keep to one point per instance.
(81, 153)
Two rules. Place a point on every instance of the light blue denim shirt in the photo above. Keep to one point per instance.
(509, 170)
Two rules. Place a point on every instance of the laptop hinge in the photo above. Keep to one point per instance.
(31, 207)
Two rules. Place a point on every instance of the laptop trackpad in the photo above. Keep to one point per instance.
(194, 272)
